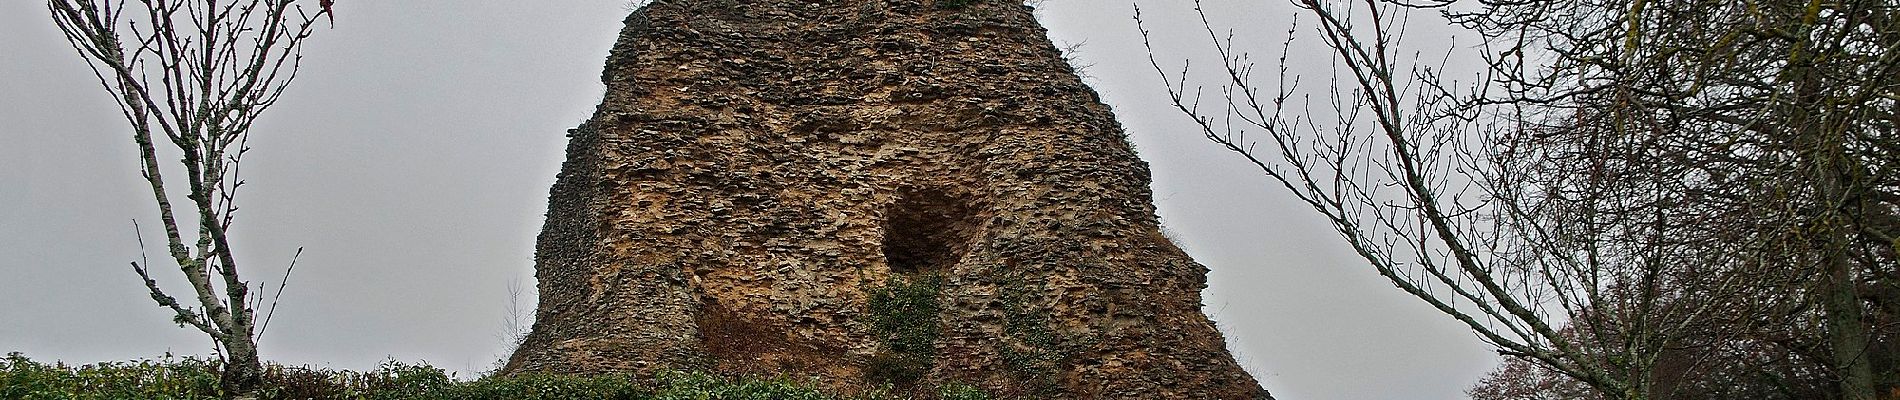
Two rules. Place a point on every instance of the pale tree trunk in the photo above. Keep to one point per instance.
(197, 73)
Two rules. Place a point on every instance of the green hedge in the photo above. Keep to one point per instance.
(192, 378)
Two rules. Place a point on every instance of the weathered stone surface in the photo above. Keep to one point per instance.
(865, 192)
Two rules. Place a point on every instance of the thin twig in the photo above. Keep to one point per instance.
(280, 293)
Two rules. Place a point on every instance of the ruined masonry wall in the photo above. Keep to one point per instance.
(760, 172)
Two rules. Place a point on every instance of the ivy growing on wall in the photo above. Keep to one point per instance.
(905, 314)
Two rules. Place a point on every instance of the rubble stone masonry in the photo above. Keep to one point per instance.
(865, 193)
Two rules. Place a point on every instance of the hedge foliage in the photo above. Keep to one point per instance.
(190, 378)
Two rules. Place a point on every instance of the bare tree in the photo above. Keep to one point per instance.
(1405, 176)
(199, 73)
(1623, 180)
(1776, 121)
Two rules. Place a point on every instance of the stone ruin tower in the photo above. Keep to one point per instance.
(861, 193)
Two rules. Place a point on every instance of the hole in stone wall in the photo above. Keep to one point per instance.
(926, 231)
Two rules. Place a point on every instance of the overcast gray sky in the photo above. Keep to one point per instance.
(412, 161)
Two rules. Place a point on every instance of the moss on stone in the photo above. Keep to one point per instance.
(1033, 357)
